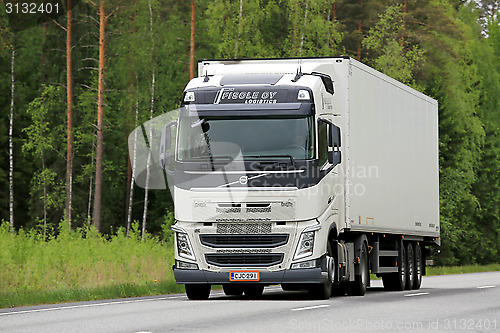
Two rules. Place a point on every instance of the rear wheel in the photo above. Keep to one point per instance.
(198, 291)
(359, 285)
(232, 290)
(397, 281)
(253, 291)
(418, 268)
(410, 260)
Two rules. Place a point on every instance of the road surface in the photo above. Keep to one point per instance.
(452, 303)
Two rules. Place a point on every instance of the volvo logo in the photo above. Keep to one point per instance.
(243, 180)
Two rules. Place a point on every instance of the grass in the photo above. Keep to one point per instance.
(82, 266)
(432, 270)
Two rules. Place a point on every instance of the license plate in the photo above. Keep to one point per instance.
(244, 276)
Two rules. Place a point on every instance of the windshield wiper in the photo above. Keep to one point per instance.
(213, 157)
(292, 160)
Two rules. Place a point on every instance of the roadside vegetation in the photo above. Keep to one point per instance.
(82, 265)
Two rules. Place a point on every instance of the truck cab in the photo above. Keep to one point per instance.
(255, 176)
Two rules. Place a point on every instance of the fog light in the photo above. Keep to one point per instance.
(185, 265)
(305, 264)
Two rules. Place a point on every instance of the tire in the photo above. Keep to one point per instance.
(362, 280)
(410, 266)
(324, 290)
(339, 290)
(232, 289)
(253, 291)
(418, 267)
(292, 286)
(198, 291)
(397, 281)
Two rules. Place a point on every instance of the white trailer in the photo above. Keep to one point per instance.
(308, 173)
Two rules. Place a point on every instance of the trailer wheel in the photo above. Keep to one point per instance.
(419, 267)
(232, 290)
(359, 285)
(397, 281)
(324, 290)
(198, 291)
(410, 267)
(253, 291)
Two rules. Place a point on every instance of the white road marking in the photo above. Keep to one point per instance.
(419, 294)
(484, 287)
(84, 306)
(311, 307)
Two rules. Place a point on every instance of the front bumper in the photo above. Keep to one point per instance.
(307, 275)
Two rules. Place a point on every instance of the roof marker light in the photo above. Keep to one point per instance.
(303, 95)
(189, 97)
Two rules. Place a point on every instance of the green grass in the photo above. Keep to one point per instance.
(78, 266)
(432, 270)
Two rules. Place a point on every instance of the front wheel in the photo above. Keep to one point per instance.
(198, 291)
(324, 290)
(359, 285)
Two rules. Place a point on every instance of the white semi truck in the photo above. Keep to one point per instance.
(310, 173)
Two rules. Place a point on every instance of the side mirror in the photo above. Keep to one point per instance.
(165, 158)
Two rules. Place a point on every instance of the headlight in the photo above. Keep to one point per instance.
(184, 247)
(305, 246)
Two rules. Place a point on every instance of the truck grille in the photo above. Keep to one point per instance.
(269, 240)
(264, 259)
(244, 228)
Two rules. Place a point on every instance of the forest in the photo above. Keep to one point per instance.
(73, 86)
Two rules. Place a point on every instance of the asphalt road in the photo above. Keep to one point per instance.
(453, 303)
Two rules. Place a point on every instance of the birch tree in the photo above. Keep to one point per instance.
(11, 130)
(69, 96)
(148, 164)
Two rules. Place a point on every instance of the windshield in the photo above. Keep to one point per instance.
(201, 138)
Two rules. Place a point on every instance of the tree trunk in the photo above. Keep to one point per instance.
(191, 53)
(44, 196)
(133, 167)
(11, 138)
(69, 95)
(303, 31)
(236, 46)
(100, 119)
(148, 163)
(91, 182)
